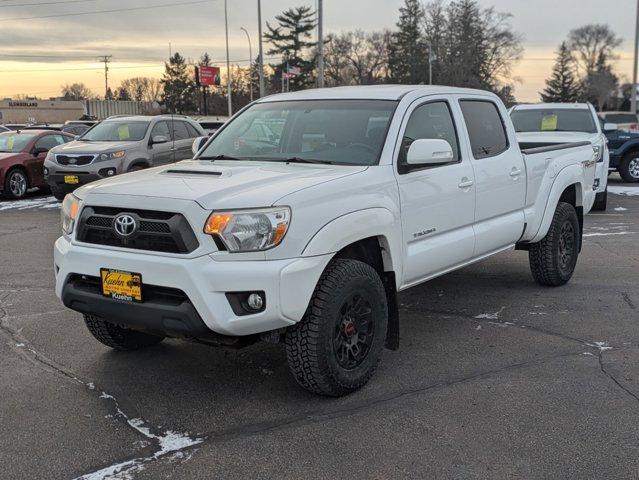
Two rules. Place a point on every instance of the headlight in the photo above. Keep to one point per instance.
(70, 209)
(598, 149)
(112, 155)
(249, 230)
(49, 156)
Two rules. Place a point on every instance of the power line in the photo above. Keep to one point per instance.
(115, 10)
(57, 2)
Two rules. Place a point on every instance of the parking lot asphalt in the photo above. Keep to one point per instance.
(496, 377)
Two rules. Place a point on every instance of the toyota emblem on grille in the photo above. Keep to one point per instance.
(125, 225)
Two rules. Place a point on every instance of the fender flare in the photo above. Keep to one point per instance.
(570, 175)
(354, 226)
(138, 161)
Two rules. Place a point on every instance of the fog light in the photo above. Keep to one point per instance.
(46, 171)
(107, 172)
(254, 301)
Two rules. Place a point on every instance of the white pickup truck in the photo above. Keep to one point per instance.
(303, 230)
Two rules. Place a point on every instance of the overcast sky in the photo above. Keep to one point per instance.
(139, 40)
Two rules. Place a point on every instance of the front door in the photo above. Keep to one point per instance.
(161, 153)
(438, 203)
(500, 177)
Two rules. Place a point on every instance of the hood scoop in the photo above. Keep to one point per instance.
(194, 172)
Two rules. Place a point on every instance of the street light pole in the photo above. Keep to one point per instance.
(320, 44)
(229, 81)
(260, 63)
(634, 66)
(248, 37)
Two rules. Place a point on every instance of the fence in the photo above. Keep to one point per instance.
(105, 108)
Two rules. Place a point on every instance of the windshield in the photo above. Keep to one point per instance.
(621, 118)
(11, 142)
(549, 120)
(347, 132)
(116, 131)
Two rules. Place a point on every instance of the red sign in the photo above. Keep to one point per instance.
(209, 76)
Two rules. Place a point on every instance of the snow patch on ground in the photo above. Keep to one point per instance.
(602, 346)
(490, 316)
(627, 191)
(43, 202)
(602, 234)
(620, 209)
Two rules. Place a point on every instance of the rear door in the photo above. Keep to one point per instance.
(438, 202)
(500, 176)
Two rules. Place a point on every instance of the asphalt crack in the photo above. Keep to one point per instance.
(163, 443)
(614, 379)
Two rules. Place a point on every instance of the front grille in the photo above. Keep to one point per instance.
(157, 231)
(150, 293)
(74, 159)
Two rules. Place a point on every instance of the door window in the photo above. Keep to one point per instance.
(179, 131)
(485, 128)
(49, 141)
(161, 128)
(193, 133)
(429, 121)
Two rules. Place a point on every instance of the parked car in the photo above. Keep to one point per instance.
(75, 129)
(307, 242)
(211, 124)
(624, 120)
(4, 129)
(119, 145)
(15, 126)
(624, 153)
(547, 124)
(21, 158)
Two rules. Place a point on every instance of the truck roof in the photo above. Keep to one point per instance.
(556, 106)
(369, 92)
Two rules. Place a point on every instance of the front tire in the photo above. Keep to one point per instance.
(57, 193)
(117, 337)
(16, 184)
(629, 167)
(553, 259)
(335, 349)
(601, 201)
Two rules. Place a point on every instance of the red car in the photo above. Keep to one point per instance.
(22, 155)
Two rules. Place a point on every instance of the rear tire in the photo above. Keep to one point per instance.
(629, 167)
(117, 337)
(601, 201)
(553, 259)
(57, 193)
(335, 349)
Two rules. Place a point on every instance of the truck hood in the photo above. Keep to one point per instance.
(220, 184)
(557, 137)
(76, 147)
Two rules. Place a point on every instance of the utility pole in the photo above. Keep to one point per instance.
(106, 59)
(260, 63)
(248, 37)
(430, 63)
(229, 81)
(320, 44)
(633, 102)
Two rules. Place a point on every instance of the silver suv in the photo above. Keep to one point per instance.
(118, 145)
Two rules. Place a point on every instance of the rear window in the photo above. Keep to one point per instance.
(620, 118)
(553, 120)
(485, 128)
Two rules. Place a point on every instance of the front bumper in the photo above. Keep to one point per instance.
(287, 284)
(85, 173)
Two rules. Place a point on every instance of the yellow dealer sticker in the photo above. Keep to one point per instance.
(549, 122)
(123, 132)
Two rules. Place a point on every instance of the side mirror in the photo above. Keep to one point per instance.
(610, 127)
(198, 143)
(429, 152)
(76, 137)
(39, 151)
(159, 139)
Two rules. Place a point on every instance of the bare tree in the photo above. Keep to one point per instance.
(77, 91)
(592, 44)
(142, 89)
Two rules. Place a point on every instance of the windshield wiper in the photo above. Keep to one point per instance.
(219, 157)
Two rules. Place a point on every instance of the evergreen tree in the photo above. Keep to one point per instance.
(408, 59)
(563, 85)
(109, 94)
(178, 86)
(291, 40)
(123, 94)
(205, 60)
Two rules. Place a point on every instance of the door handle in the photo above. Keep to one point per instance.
(515, 172)
(466, 183)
